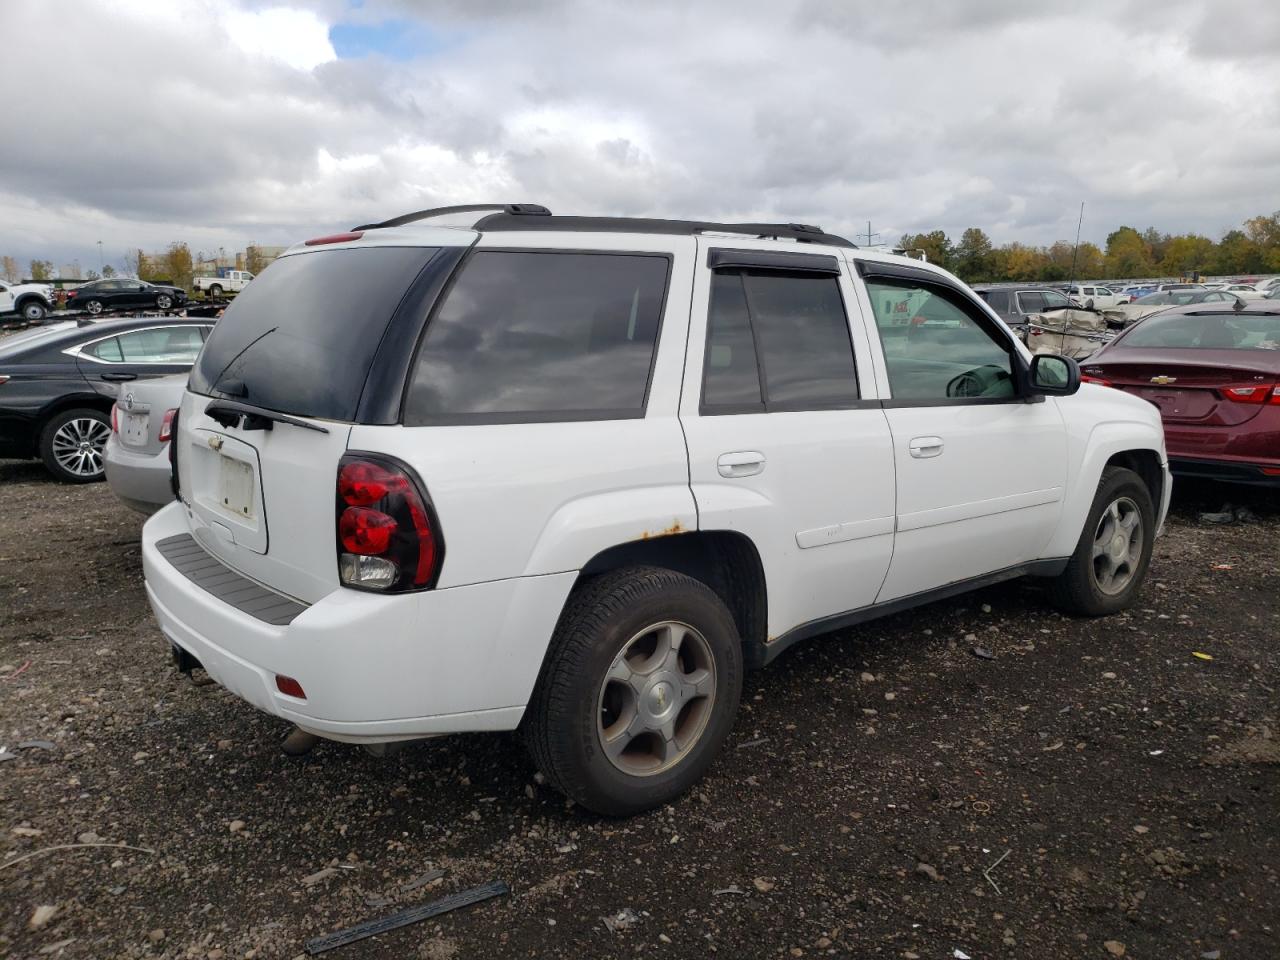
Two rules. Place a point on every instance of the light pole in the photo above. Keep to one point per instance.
(101, 263)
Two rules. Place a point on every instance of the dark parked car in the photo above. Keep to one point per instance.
(1213, 369)
(1015, 304)
(121, 294)
(57, 385)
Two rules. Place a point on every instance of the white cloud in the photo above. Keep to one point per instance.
(223, 123)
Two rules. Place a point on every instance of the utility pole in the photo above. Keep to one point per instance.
(870, 235)
(101, 262)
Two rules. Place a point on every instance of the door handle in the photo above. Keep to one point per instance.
(119, 376)
(922, 448)
(742, 463)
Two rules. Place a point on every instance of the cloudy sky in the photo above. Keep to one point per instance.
(226, 122)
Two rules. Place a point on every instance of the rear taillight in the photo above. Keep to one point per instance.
(115, 419)
(3, 379)
(1275, 395)
(388, 537)
(1256, 395)
(166, 425)
(1101, 381)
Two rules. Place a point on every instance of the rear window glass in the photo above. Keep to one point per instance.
(301, 338)
(526, 336)
(1236, 331)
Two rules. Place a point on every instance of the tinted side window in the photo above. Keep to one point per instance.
(790, 327)
(943, 353)
(1031, 302)
(998, 299)
(527, 336)
(164, 345)
(108, 349)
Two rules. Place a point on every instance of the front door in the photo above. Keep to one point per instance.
(787, 443)
(980, 468)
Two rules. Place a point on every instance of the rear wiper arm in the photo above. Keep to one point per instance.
(229, 414)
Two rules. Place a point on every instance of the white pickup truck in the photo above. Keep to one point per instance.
(233, 282)
(31, 301)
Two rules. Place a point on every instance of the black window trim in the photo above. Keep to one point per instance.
(871, 270)
(725, 258)
(540, 416)
(765, 406)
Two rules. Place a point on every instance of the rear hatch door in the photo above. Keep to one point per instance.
(271, 401)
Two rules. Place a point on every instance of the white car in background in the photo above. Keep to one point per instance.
(1094, 297)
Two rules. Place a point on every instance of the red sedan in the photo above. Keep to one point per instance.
(1214, 372)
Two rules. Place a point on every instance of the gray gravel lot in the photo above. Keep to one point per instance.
(873, 775)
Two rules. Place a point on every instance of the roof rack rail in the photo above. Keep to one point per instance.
(505, 220)
(511, 209)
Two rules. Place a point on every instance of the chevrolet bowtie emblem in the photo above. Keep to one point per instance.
(1163, 381)
(215, 442)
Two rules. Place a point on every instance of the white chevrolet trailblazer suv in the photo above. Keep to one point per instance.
(484, 468)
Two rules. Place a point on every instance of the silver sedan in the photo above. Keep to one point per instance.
(137, 452)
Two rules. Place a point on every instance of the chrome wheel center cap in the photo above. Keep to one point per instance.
(1119, 547)
(661, 697)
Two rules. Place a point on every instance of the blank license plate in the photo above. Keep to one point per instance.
(135, 429)
(236, 486)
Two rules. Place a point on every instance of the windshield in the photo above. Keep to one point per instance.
(301, 338)
(1217, 331)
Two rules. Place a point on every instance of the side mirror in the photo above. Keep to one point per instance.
(1054, 375)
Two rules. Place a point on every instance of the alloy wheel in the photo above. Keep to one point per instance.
(1117, 546)
(77, 446)
(656, 699)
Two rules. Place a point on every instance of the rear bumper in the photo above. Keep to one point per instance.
(374, 668)
(140, 480)
(1233, 471)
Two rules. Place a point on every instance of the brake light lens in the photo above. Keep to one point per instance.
(388, 537)
(335, 238)
(1101, 381)
(115, 419)
(1255, 395)
(166, 425)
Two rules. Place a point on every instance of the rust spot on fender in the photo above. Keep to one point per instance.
(676, 527)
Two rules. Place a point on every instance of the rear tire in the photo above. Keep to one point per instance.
(215, 291)
(640, 649)
(94, 307)
(71, 445)
(1110, 561)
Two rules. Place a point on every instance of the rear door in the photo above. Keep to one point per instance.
(787, 442)
(980, 470)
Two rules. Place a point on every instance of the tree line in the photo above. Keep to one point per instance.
(1129, 254)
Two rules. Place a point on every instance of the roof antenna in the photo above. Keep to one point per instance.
(1071, 282)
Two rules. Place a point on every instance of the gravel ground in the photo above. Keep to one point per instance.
(1125, 788)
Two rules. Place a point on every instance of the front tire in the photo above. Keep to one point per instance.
(639, 691)
(71, 445)
(33, 311)
(164, 302)
(1110, 562)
